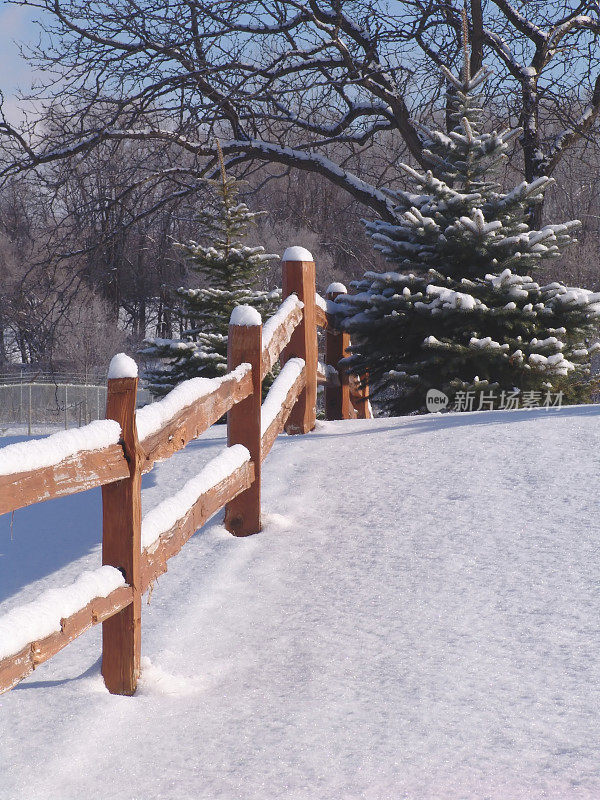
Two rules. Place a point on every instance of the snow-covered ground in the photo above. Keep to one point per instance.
(419, 619)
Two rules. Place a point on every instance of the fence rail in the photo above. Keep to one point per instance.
(114, 454)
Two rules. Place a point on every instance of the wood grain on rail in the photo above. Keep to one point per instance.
(321, 317)
(83, 470)
(194, 419)
(280, 338)
(277, 425)
(155, 557)
(14, 668)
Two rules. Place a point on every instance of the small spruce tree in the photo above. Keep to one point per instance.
(232, 271)
(463, 314)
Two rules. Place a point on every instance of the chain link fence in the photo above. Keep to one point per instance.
(48, 400)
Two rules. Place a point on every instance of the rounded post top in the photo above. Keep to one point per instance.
(245, 316)
(336, 288)
(297, 254)
(122, 366)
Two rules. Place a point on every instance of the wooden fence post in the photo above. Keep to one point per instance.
(299, 279)
(359, 396)
(244, 345)
(121, 534)
(337, 398)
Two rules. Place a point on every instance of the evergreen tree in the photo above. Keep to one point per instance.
(463, 314)
(232, 271)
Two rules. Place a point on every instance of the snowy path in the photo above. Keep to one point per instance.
(418, 620)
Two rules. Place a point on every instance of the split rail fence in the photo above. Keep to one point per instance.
(137, 551)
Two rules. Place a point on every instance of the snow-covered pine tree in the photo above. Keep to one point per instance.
(462, 314)
(232, 271)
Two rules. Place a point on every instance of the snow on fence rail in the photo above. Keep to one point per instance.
(114, 453)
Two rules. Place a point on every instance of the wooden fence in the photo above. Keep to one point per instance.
(289, 336)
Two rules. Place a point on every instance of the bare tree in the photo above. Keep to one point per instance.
(121, 226)
(30, 294)
(88, 337)
(315, 102)
(86, 237)
(307, 84)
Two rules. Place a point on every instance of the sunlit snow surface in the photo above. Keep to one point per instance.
(419, 619)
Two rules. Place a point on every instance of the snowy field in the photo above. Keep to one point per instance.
(419, 620)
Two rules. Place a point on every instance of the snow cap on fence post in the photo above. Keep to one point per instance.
(334, 289)
(297, 254)
(299, 278)
(122, 366)
(246, 316)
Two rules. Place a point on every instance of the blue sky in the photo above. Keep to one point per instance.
(15, 24)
